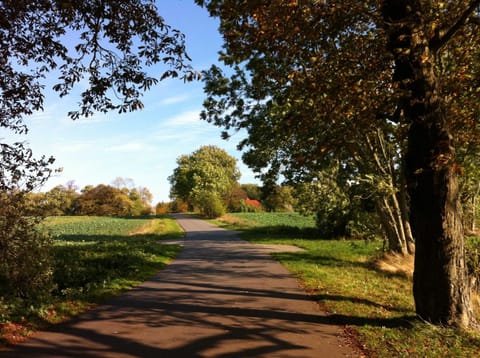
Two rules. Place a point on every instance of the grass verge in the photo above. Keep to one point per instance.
(374, 305)
(95, 258)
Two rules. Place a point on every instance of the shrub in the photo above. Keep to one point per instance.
(162, 208)
(179, 206)
(209, 204)
(251, 206)
(25, 250)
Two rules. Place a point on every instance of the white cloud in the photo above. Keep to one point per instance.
(174, 100)
(184, 118)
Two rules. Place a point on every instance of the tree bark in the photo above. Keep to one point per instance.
(441, 286)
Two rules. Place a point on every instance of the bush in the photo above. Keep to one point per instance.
(210, 205)
(25, 251)
(162, 208)
(251, 206)
(179, 206)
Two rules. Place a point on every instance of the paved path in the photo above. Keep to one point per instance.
(222, 297)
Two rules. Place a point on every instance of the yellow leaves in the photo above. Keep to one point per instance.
(424, 58)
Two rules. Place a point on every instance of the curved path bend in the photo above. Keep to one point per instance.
(222, 297)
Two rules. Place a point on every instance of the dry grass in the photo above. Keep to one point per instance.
(396, 264)
(236, 221)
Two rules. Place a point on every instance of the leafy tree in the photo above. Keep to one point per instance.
(162, 208)
(207, 174)
(142, 200)
(141, 196)
(389, 86)
(59, 201)
(278, 198)
(209, 203)
(237, 197)
(253, 191)
(114, 43)
(420, 35)
(288, 89)
(25, 250)
(104, 200)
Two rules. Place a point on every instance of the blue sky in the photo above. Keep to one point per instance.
(141, 145)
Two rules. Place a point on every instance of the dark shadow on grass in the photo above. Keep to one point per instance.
(281, 231)
(91, 261)
(397, 322)
(313, 258)
(338, 298)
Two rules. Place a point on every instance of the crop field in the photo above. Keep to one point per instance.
(62, 227)
(93, 258)
(273, 224)
(277, 219)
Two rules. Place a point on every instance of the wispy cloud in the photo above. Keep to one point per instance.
(174, 100)
(130, 147)
(184, 118)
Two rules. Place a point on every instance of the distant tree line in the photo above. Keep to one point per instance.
(121, 198)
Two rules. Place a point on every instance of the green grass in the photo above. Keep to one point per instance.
(95, 258)
(376, 307)
(277, 219)
(270, 224)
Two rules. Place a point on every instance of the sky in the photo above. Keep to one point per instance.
(142, 145)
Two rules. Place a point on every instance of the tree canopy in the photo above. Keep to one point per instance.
(387, 88)
(107, 45)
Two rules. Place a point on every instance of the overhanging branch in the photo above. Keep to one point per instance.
(441, 40)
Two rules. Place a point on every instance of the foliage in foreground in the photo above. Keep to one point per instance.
(93, 258)
(374, 305)
(25, 250)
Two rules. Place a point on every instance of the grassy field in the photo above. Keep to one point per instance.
(94, 259)
(349, 281)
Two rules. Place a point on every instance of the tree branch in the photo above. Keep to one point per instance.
(441, 40)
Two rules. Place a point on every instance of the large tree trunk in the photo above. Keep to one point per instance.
(441, 285)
